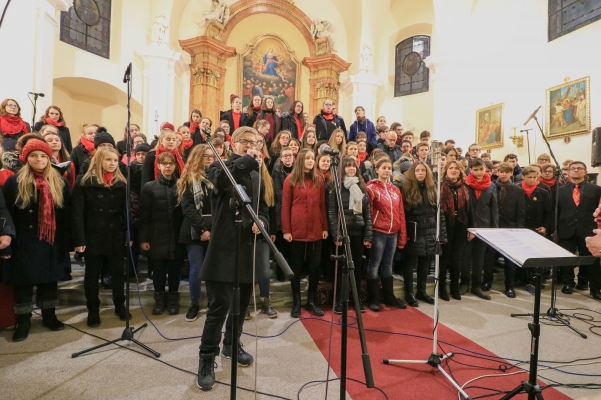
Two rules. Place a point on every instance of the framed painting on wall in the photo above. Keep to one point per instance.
(268, 67)
(568, 109)
(489, 126)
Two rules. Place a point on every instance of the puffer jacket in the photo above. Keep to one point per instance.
(387, 211)
(357, 224)
(424, 216)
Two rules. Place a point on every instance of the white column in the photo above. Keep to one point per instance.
(159, 86)
(28, 33)
(364, 89)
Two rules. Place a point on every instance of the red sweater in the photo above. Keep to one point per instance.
(304, 210)
(387, 211)
(4, 175)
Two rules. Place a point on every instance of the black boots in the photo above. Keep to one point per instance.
(173, 303)
(408, 284)
(23, 326)
(373, 294)
(310, 306)
(50, 321)
(159, 303)
(388, 291)
(267, 309)
(296, 304)
(442, 291)
(93, 313)
(206, 372)
(455, 290)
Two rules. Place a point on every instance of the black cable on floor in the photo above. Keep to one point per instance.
(337, 379)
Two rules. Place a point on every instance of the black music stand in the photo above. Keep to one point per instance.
(528, 249)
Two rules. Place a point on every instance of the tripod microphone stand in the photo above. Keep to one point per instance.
(237, 203)
(128, 332)
(435, 360)
(553, 313)
(348, 271)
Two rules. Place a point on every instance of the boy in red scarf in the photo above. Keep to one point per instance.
(539, 213)
(483, 199)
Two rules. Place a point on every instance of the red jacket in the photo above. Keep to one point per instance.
(304, 210)
(387, 212)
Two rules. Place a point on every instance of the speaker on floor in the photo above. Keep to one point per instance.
(596, 148)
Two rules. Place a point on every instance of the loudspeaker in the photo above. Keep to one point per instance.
(596, 148)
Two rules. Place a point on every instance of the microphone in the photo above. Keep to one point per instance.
(532, 115)
(525, 130)
(325, 149)
(36, 94)
(127, 74)
(435, 152)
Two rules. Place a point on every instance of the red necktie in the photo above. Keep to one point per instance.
(576, 195)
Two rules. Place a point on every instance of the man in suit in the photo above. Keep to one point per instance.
(512, 214)
(577, 202)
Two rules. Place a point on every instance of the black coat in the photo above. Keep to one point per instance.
(161, 219)
(98, 219)
(78, 155)
(512, 208)
(63, 132)
(9, 143)
(227, 116)
(196, 136)
(538, 210)
(356, 224)
(279, 175)
(486, 208)
(579, 220)
(35, 261)
(192, 218)
(324, 128)
(7, 227)
(148, 168)
(424, 216)
(394, 153)
(219, 262)
(289, 124)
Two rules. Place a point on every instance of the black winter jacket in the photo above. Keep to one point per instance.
(357, 224)
(424, 217)
(98, 219)
(78, 156)
(512, 208)
(539, 212)
(288, 123)
(486, 208)
(148, 168)
(279, 175)
(161, 219)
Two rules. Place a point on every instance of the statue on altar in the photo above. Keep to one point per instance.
(219, 12)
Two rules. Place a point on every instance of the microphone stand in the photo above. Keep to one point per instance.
(435, 360)
(128, 332)
(553, 313)
(35, 108)
(241, 200)
(348, 268)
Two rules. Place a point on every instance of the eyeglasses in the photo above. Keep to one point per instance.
(168, 164)
(246, 142)
(12, 106)
(544, 159)
(286, 156)
(548, 172)
(577, 168)
(208, 155)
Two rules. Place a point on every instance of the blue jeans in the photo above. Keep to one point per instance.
(196, 255)
(381, 256)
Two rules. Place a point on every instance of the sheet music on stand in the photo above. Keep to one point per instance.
(526, 248)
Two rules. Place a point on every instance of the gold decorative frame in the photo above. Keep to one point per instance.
(289, 53)
(495, 110)
(581, 87)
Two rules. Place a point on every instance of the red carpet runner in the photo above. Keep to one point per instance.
(412, 381)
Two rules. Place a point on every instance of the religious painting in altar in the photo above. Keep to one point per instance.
(568, 109)
(489, 126)
(268, 67)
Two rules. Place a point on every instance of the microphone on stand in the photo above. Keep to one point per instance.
(325, 149)
(37, 94)
(127, 75)
(435, 152)
(532, 116)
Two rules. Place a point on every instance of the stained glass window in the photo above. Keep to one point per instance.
(87, 25)
(410, 73)
(566, 16)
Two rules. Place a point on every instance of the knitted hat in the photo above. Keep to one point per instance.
(102, 136)
(232, 97)
(145, 147)
(36, 145)
(405, 165)
(167, 125)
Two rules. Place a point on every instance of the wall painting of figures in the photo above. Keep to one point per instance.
(568, 109)
(489, 126)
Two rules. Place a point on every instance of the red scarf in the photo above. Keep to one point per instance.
(107, 177)
(188, 143)
(361, 157)
(11, 125)
(360, 118)
(327, 115)
(236, 118)
(528, 189)
(256, 109)
(58, 124)
(478, 186)
(194, 126)
(88, 144)
(299, 127)
(448, 202)
(178, 158)
(46, 217)
(549, 182)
